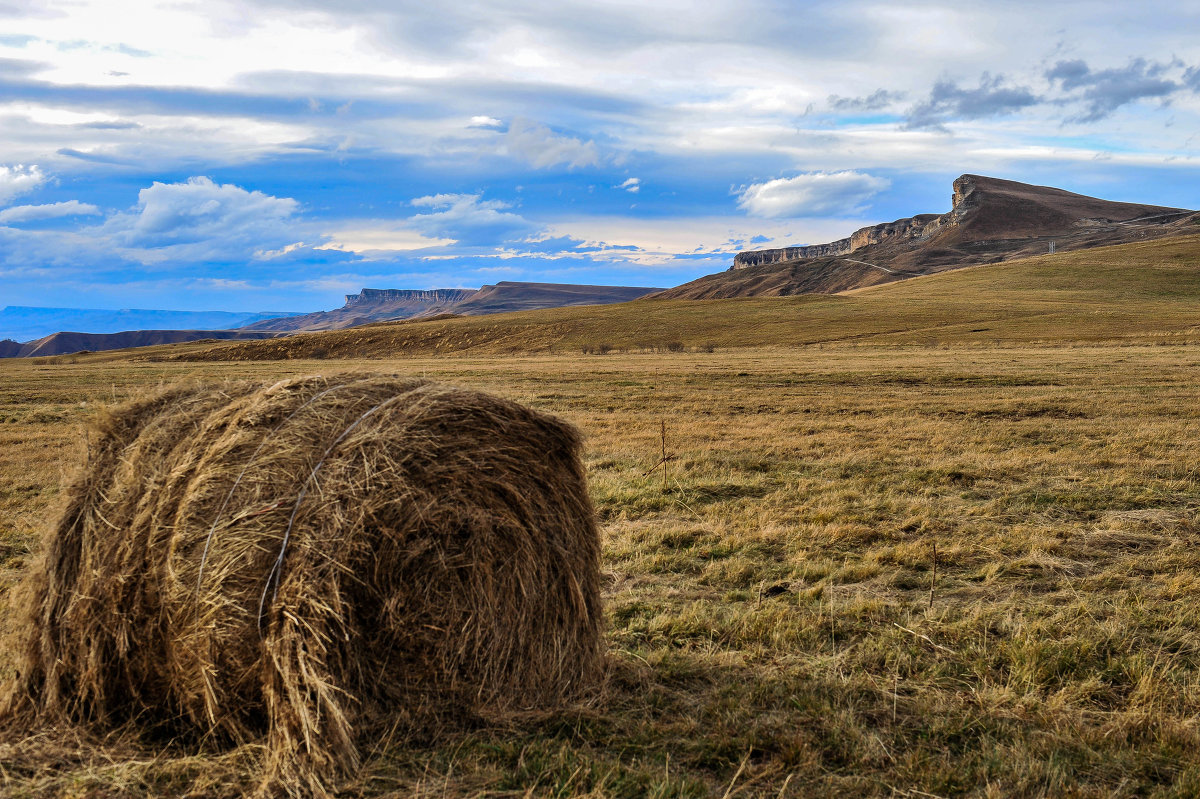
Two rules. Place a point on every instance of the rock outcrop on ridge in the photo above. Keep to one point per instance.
(371, 305)
(990, 220)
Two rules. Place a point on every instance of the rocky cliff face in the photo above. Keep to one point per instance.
(381, 296)
(778, 256)
(373, 305)
(963, 199)
(915, 228)
(912, 228)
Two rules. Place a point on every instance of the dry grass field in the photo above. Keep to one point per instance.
(867, 571)
(937, 538)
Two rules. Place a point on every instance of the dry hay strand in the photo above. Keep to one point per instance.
(311, 562)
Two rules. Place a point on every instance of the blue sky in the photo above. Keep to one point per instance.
(274, 155)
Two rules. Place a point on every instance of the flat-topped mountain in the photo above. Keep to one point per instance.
(371, 305)
(990, 220)
(387, 305)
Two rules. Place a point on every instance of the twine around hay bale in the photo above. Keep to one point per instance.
(305, 562)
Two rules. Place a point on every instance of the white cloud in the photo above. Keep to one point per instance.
(542, 148)
(453, 219)
(232, 87)
(266, 255)
(380, 237)
(811, 194)
(451, 200)
(142, 136)
(19, 179)
(468, 220)
(33, 213)
(200, 209)
(661, 242)
(581, 67)
(485, 122)
(202, 220)
(633, 185)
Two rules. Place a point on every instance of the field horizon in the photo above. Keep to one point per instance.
(1131, 292)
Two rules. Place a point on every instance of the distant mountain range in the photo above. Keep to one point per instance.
(21, 323)
(990, 220)
(389, 305)
(369, 305)
(64, 343)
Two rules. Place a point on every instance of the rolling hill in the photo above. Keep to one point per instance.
(23, 323)
(508, 296)
(68, 342)
(366, 307)
(1147, 291)
(991, 220)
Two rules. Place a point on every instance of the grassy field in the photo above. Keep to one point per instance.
(775, 621)
(935, 538)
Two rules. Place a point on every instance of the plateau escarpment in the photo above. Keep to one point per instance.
(389, 305)
(372, 305)
(990, 220)
(910, 228)
(375, 297)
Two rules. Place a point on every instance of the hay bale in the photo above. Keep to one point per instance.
(307, 562)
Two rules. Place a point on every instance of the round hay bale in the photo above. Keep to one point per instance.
(306, 562)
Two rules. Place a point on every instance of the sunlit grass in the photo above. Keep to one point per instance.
(768, 598)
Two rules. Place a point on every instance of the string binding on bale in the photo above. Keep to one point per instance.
(308, 563)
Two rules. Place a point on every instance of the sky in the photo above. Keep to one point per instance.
(277, 154)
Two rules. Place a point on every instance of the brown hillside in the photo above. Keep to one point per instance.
(990, 220)
(1140, 291)
(508, 296)
(67, 342)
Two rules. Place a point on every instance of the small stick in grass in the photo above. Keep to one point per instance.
(663, 422)
(933, 577)
(832, 620)
(665, 459)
